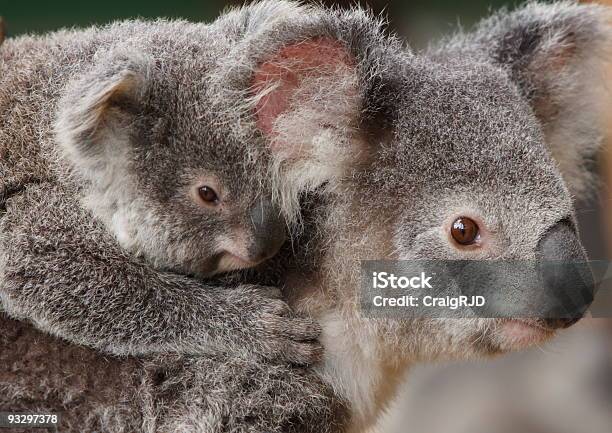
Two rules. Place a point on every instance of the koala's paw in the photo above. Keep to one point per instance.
(275, 332)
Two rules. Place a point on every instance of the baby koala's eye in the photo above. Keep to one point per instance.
(208, 195)
(464, 231)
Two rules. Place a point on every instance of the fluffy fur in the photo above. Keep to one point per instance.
(444, 133)
(118, 122)
(100, 393)
(485, 126)
(102, 131)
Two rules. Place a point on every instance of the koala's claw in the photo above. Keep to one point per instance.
(293, 339)
(303, 329)
(282, 335)
(304, 354)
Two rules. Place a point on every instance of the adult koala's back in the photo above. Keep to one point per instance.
(95, 393)
(90, 391)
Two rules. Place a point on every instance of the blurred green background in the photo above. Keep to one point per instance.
(416, 20)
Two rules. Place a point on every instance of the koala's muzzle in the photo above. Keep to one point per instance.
(565, 276)
(267, 231)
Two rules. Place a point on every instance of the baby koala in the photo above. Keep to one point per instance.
(121, 179)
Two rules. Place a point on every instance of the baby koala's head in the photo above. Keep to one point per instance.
(162, 169)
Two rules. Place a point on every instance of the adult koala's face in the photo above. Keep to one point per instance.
(165, 172)
(472, 177)
(490, 137)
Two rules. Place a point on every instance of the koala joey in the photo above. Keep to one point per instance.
(494, 130)
(121, 179)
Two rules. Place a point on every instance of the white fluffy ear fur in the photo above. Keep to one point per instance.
(560, 57)
(307, 105)
(96, 108)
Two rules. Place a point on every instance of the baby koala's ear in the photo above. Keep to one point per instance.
(307, 105)
(559, 55)
(97, 108)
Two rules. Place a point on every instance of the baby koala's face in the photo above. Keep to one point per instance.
(212, 212)
(168, 177)
(239, 230)
(208, 191)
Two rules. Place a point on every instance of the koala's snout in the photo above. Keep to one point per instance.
(256, 237)
(565, 275)
(267, 231)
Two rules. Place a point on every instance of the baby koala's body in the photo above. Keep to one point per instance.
(119, 165)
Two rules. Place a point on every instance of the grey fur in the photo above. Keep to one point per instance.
(557, 55)
(442, 135)
(216, 394)
(136, 127)
(497, 125)
(111, 288)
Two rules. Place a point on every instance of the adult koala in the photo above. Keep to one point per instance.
(448, 133)
(471, 150)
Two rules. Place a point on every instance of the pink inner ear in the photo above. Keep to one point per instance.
(293, 63)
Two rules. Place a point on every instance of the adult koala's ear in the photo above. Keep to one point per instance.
(307, 105)
(97, 109)
(558, 54)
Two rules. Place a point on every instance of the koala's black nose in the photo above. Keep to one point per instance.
(567, 281)
(268, 231)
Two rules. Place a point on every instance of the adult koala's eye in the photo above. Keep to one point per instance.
(464, 231)
(208, 195)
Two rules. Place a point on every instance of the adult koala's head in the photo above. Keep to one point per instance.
(159, 165)
(473, 150)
